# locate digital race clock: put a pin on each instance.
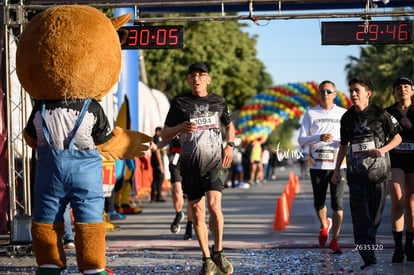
(151, 37)
(374, 32)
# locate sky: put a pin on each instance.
(291, 51)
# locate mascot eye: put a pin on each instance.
(123, 36)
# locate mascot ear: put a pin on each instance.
(120, 20)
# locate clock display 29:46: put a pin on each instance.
(388, 31)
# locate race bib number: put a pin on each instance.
(361, 148)
(206, 122)
(325, 155)
(405, 147)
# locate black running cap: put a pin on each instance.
(402, 80)
(198, 65)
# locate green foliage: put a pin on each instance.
(382, 64)
(236, 72)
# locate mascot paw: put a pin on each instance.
(125, 144)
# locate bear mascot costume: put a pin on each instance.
(68, 58)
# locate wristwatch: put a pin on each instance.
(231, 144)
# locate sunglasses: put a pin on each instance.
(328, 91)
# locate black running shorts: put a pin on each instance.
(196, 185)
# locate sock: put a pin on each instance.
(398, 239)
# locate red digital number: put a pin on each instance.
(161, 37)
(360, 33)
(174, 38)
(144, 37)
(391, 31)
(132, 37)
(402, 35)
(375, 27)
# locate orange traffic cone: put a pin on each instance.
(297, 185)
(290, 196)
(291, 177)
(282, 214)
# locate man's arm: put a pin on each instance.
(228, 150)
(340, 157)
(394, 142)
(168, 133)
(304, 137)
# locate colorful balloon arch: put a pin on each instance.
(264, 112)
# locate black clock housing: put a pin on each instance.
(374, 32)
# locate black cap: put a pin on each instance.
(198, 65)
(402, 80)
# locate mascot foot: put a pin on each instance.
(128, 209)
(48, 271)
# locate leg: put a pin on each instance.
(178, 202)
(47, 244)
(68, 239)
(409, 211)
(177, 197)
(90, 245)
(160, 180)
(396, 191)
(200, 227)
(216, 220)
(337, 205)
(337, 217)
(189, 228)
(409, 202)
(319, 188)
(395, 187)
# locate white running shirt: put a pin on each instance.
(318, 121)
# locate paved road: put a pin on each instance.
(145, 245)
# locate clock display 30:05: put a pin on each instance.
(151, 37)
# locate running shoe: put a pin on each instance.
(333, 245)
(409, 252)
(368, 270)
(69, 245)
(188, 232)
(209, 267)
(223, 265)
(176, 226)
(114, 216)
(324, 233)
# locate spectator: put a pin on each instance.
(157, 169)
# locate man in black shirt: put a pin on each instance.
(197, 117)
(368, 132)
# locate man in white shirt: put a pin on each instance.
(320, 130)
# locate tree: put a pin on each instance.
(382, 64)
(236, 72)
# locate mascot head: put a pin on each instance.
(70, 52)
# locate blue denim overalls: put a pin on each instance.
(68, 176)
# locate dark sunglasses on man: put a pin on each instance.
(328, 91)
